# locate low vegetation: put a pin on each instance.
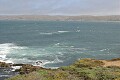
(116, 59)
(85, 69)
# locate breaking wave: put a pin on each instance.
(7, 48)
(42, 63)
(23, 56)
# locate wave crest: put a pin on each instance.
(6, 48)
(51, 33)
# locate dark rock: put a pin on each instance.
(4, 65)
(27, 68)
(17, 64)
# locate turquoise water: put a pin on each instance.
(58, 43)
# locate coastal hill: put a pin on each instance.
(61, 18)
(84, 69)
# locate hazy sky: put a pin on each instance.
(60, 7)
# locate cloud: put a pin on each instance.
(60, 7)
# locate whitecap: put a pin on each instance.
(2, 56)
(78, 31)
(6, 48)
(57, 44)
(46, 33)
(57, 60)
(63, 31)
(42, 63)
(60, 53)
(82, 49)
(72, 46)
(51, 33)
(104, 49)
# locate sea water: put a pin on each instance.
(57, 43)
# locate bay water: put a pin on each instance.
(57, 43)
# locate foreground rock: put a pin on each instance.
(8, 70)
(4, 65)
(27, 68)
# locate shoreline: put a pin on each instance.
(114, 62)
(61, 18)
(28, 68)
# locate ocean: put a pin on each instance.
(57, 43)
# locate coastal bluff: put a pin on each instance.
(84, 69)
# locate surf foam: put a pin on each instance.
(7, 48)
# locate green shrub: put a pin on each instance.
(88, 63)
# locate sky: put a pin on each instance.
(59, 7)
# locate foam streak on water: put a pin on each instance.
(51, 33)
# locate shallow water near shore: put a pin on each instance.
(6, 73)
(57, 43)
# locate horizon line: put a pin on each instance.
(53, 15)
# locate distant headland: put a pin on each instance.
(61, 18)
